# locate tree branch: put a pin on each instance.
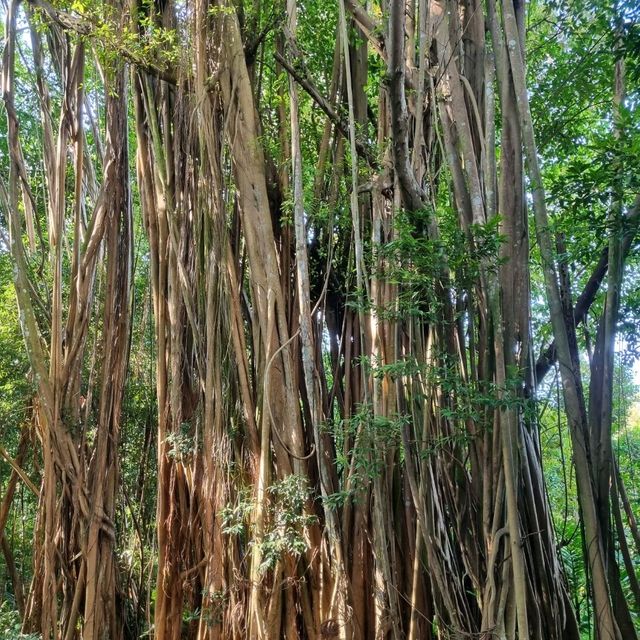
(364, 151)
(549, 355)
(85, 27)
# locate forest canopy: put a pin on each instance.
(320, 319)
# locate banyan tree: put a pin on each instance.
(320, 222)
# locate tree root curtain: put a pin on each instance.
(316, 257)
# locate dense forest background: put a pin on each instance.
(320, 319)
